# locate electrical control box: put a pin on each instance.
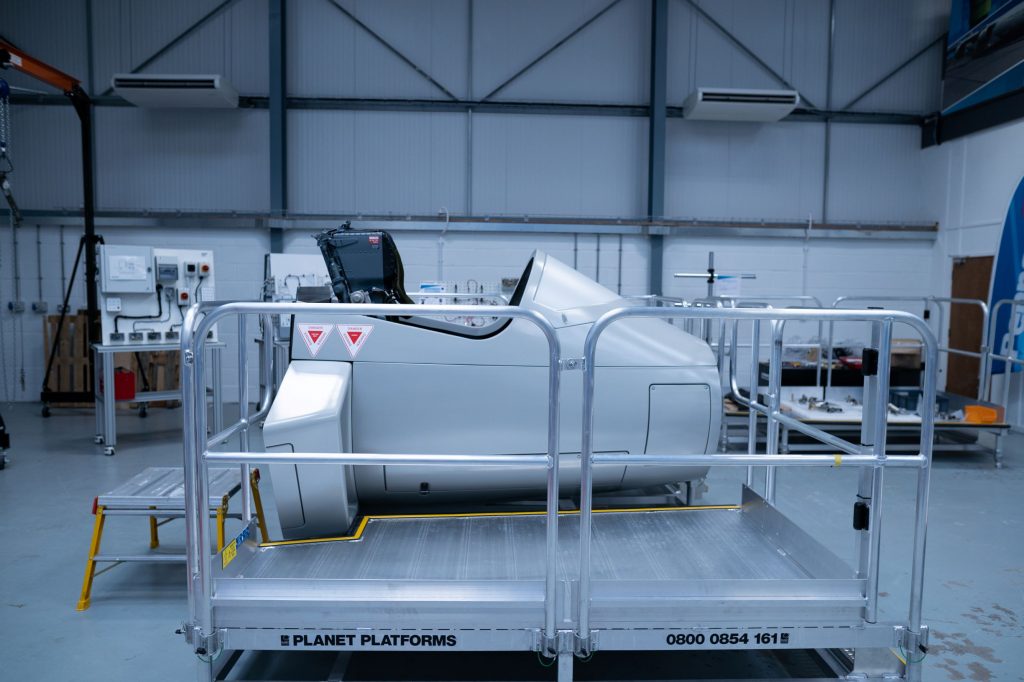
(167, 269)
(126, 269)
(145, 292)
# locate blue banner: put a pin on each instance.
(1008, 282)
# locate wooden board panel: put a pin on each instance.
(70, 371)
(971, 279)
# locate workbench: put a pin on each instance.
(106, 400)
(903, 430)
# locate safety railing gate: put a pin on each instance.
(568, 628)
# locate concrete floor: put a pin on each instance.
(974, 601)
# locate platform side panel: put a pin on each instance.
(813, 558)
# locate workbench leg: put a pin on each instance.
(109, 406)
(97, 392)
(565, 667)
(154, 536)
(90, 565)
(222, 512)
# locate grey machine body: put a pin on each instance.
(428, 386)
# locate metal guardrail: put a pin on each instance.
(874, 432)
(198, 321)
(992, 356)
(929, 302)
(871, 459)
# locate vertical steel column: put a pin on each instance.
(774, 399)
(828, 107)
(469, 111)
(243, 413)
(656, 139)
(755, 382)
(83, 107)
(278, 123)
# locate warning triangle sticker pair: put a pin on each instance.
(352, 335)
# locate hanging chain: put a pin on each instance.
(5, 128)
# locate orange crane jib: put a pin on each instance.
(11, 57)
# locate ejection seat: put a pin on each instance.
(381, 278)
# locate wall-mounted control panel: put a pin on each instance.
(145, 292)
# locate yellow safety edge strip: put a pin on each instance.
(366, 519)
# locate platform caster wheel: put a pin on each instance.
(46, 411)
(108, 451)
(143, 413)
(98, 440)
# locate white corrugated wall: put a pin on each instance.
(497, 164)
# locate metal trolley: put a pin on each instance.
(566, 584)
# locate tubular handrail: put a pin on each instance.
(937, 302)
(993, 354)
(458, 296)
(266, 390)
(778, 297)
(883, 322)
(200, 320)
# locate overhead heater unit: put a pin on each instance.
(191, 91)
(732, 104)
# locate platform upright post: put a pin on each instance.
(243, 413)
(862, 502)
(755, 384)
(774, 401)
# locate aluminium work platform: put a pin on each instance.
(156, 493)
(566, 584)
(710, 578)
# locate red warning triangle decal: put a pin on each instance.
(354, 336)
(314, 336)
